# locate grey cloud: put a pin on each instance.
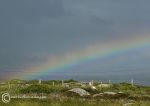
(98, 20)
(30, 30)
(31, 9)
(15, 15)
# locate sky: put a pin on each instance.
(34, 32)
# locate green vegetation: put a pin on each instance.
(74, 102)
(42, 89)
(57, 93)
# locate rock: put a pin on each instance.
(104, 85)
(93, 87)
(128, 104)
(110, 93)
(66, 85)
(80, 91)
(97, 95)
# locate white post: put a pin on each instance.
(40, 81)
(109, 81)
(92, 82)
(132, 83)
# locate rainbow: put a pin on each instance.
(93, 52)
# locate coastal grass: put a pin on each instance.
(74, 102)
(56, 94)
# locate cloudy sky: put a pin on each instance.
(33, 30)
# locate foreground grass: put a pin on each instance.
(74, 102)
(57, 94)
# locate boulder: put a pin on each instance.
(80, 91)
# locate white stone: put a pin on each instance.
(80, 91)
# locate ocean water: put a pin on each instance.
(138, 78)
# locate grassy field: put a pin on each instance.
(58, 95)
(74, 102)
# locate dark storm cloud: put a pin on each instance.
(31, 30)
(31, 9)
(98, 20)
(16, 38)
(15, 14)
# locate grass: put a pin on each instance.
(57, 96)
(73, 102)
